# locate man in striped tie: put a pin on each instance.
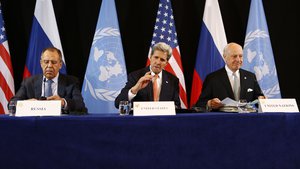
(152, 83)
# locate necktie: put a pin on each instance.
(236, 87)
(155, 88)
(48, 90)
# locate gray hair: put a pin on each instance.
(161, 46)
(227, 48)
(52, 49)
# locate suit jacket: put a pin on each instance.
(217, 85)
(68, 88)
(169, 88)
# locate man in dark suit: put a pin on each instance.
(139, 88)
(221, 84)
(63, 87)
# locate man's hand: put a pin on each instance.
(32, 99)
(56, 97)
(142, 83)
(262, 97)
(214, 103)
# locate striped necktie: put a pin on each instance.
(48, 90)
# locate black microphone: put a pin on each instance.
(43, 97)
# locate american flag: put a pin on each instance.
(7, 89)
(165, 31)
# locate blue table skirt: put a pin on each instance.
(206, 140)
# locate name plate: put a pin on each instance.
(277, 105)
(153, 108)
(38, 108)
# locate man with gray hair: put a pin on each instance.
(230, 81)
(51, 85)
(164, 86)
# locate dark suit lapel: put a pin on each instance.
(150, 91)
(164, 85)
(38, 86)
(60, 86)
(243, 80)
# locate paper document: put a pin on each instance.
(229, 102)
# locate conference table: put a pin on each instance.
(190, 140)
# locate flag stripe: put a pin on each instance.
(26, 72)
(176, 56)
(5, 56)
(196, 88)
(6, 70)
(213, 20)
(209, 58)
(5, 87)
(183, 98)
(4, 102)
(175, 68)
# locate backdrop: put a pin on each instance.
(77, 21)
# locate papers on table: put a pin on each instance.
(229, 102)
(237, 106)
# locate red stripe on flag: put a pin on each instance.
(148, 61)
(3, 84)
(170, 69)
(182, 95)
(1, 109)
(26, 72)
(177, 57)
(182, 92)
(196, 88)
(6, 58)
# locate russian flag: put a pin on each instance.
(44, 33)
(212, 41)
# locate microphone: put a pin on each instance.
(44, 87)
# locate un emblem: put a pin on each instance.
(106, 72)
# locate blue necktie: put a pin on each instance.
(48, 90)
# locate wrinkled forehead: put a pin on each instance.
(236, 50)
(50, 55)
(160, 54)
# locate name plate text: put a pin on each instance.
(153, 108)
(38, 108)
(277, 105)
